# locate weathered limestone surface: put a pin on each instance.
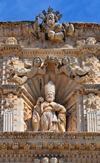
(38, 146)
(49, 91)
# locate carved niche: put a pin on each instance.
(47, 98)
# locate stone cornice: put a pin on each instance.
(7, 50)
(49, 143)
(22, 52)
(91, 88)
(76, 24)
(75, 52)
(77, 136)
(6, 88)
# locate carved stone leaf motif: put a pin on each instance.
(26, 147)
(27, 113)
(15, 146)
(91, 101)
(11, 64)
(50, 146)
(8, 102)
(67, 68)
(4, 147)
(92, 62)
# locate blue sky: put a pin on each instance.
(72, 10)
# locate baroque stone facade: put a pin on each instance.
(49, 91)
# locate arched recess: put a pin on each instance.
(65, 94)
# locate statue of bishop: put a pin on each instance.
(52, 115)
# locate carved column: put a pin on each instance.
(79, 107)
(91, 112)
(8, 112)
(19, 123)
(12, 113)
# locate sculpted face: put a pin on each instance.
(50, 96)
(45, 160)
(53, 160)
(37, 61)
(50, 19)
(65, 61)
(91, 41)
(11, 41)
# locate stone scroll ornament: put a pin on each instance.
(72, 70)
(50, 29)
(29, 71)
(52, 114)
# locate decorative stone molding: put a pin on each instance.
(73, 146)
(40, 63)
(91, 88)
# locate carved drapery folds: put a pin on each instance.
(69, 66)
(49, 90)
(50, 29)
(32, 61)
(29, 71)
(90, 61)
(52, 69)
(49, 115)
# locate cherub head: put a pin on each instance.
(50, 19)
(11, 40)
(37, 61)
(45, 160)
(90, 40)
(53, 160)
(65, 60)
